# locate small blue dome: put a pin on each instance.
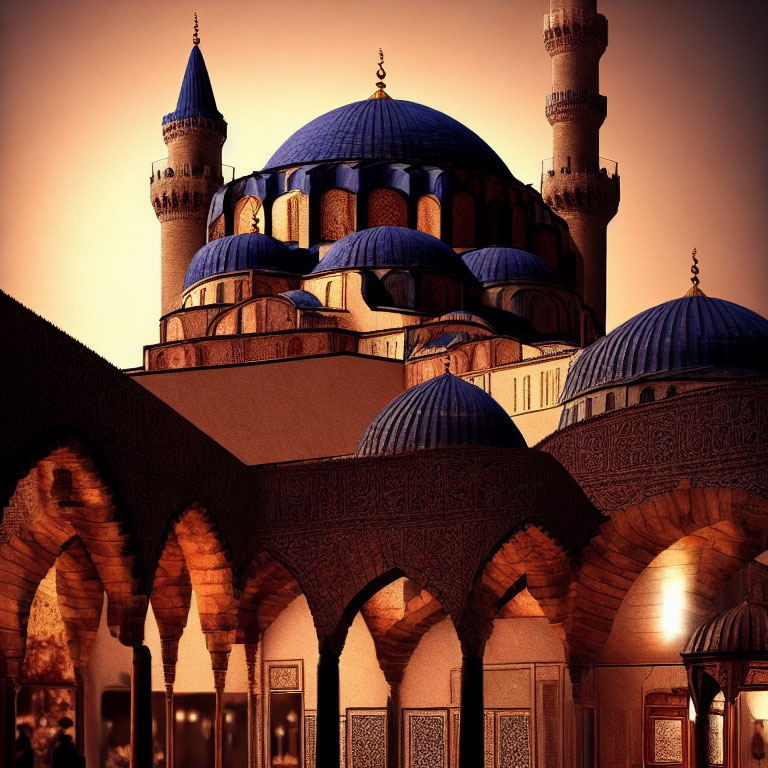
(392, 247)
(388, 129)
(196, 97)
(687, 336)
(236, 253)
(500, 265)
(303, 299)
(442, 412)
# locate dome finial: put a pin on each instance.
(381, 74)
(695, 290)
(447, 364)
(195, 36)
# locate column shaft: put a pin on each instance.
(327, 710)
(393, 726)
(141, 708)
(471, 737)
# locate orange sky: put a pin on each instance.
(84, 86)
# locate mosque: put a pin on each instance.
(385, 494)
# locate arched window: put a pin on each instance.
(647, 395)
(245, 210)
(387, 208)
(463, 221)
(428, 215)
(290, 218)
(338, 211)
(610, 401)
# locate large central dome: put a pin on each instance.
(388, 129)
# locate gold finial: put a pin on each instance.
(195, 36)
(695, 290)
(381, 74)
(255, 222)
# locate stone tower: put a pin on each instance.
(181, 187)
(578, 184)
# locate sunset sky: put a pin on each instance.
(84, 86)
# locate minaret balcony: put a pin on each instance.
(576, 106)
(162, 170)
(575, 29)
(582, 192)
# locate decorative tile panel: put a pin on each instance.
(715, 740)
(310, 740)
(667, 741)
(426, 738)
(367, 738)
(455, 717)
(513, 737)
(488, 738)
(284, 677)
(343, 742)
(548, 723)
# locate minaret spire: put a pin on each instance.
(380, 74)
(182, 185)
(578, 184)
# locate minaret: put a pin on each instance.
(580, 186)
(182, 186)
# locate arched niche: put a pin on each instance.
(428, 215)
(338, 214)
(290, 218)
(386, 207)
(245, 210)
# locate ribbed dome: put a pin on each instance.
(388, 129)
(386, 247)
(738, 630)
(498, 264)
(694, 334)
(442, 412)
(240, 252)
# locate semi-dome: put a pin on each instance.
(236, 253)
(388, 129)
(497, 264)
(736, 630)
(441, 412)
(392, 247)
(463, 316)
(693, 335)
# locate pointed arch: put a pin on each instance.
(338, 214)
(290, 218)
(246, 208)
(428, 215)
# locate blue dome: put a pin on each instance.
(500, 265)
(388, 129)
(236, 253)
(303, 299)
(682, 337)
(386, 247)
(442, 412)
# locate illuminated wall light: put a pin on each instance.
(671, 618)
(758, 704)
(691, 710)
(229, 717)
(180, 715)
(193, 716)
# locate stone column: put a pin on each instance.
(393, 725)
(471, 732)
(219, 662)
(169, 648)
(328, 709)
(253, 655)
(141, 708)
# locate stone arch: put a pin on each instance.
(64, 494)
(401, 288)
(635, 536)
(338, 214)
(464, 220)
(245, 209)
(428, 215)
(290, 218)
(268, 587)
(386, 207)
(528, 566)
